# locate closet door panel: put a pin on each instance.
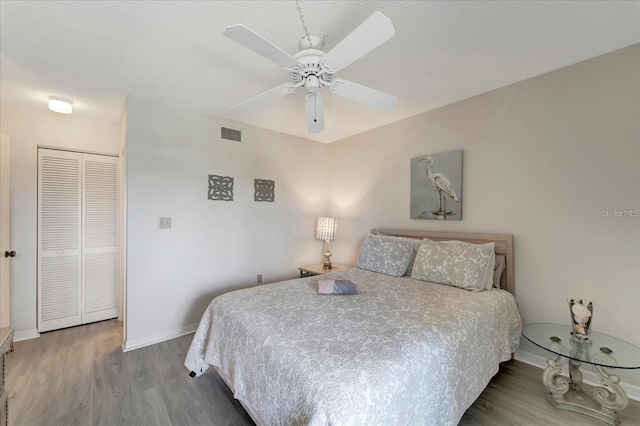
(59, 260)
(59, 289)
(100, 238)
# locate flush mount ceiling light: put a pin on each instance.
(61, 105)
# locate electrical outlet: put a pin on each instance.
(164, 223)
(259, 278)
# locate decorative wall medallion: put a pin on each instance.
(220, 188)
(436, 186)
(265, 190)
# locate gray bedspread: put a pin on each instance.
(400, 352)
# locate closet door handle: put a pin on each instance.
(11, 253)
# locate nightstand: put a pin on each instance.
(6, 342)
(317, 269)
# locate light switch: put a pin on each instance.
(164, 223)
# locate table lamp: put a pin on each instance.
(326, 230)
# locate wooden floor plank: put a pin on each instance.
(80, 376)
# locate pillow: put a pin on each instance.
(416, 245)
(384, 255)
(501, 264)
(488, 285)
(414, 241)
(456, 263)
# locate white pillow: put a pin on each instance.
(501, 263)
(489, 284)
(456, 263)
(384, 255)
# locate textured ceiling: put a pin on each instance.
(98, 52)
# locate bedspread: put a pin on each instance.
(400, 352)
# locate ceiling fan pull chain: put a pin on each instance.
(304, 24)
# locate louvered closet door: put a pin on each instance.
(77, 238)
(59, 239)
(100, 237)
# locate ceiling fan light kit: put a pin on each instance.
(314, 69)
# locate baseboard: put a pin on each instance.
(158, 338)
(25, 335)
(589, 377)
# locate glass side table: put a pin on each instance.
(602, 351)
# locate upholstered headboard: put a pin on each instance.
(503, 245)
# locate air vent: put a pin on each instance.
(230, 135)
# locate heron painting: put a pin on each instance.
(436, 186)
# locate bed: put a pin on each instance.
(401, 351)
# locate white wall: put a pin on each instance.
(213, 246)
(542, 159)
(27, 128)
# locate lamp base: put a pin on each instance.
(327, 262)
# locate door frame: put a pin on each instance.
(5, 232)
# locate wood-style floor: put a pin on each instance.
(79, 376)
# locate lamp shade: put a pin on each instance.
(326, 228)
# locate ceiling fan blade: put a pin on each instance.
(315, 113)
(263, 98)
(248, 38)
(374, 31)
(363, 94)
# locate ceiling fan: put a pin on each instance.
(313, 69)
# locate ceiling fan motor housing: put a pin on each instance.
(311, 72)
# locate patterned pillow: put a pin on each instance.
(414, 242)
(454, 263)
(384, 255)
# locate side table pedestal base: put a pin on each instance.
(566, 392)
(582, 403)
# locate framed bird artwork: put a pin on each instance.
(436, 186)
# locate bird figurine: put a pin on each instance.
(443, 185)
